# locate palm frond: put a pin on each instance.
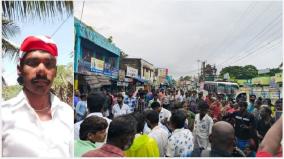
(9, 28)
(4, 83)
(30, 10)
(9, 50)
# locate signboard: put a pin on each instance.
(267, 70)
(122, 84)
(278, 77)
(128, 80)
(261, 80)
(162, 72)
(84, 66)
(226, 76)
(107, 69)
(121, 75)
(114, 73)
(97, 65)
(131, 72)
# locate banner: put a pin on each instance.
(84, 66)
(97, 65)
(107, 69)
(121, 75)
(131, 72)
(261, 80)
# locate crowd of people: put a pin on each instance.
(175, 123)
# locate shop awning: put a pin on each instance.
(139, 79)
(96, 81)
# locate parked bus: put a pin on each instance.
(227, 88)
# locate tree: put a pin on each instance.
(63, 83)
(187, 78)
(28, 10)
(31, 10)
(239, 72)
(250, 71)
(9, 30)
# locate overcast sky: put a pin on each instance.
(176, 34)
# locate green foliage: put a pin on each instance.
(9, 30)
(187, 78)
(31, 10)
(28, 10)
(63, 83)
(10, 91)
(239, 72)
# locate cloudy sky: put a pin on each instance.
(177, 34)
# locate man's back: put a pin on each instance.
(143, 146)
(180, 143)
(106, 150)
(161, 136)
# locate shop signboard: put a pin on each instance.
(278, 77)
(114, 73)
(84, 66)
(122, 84)
(97, 65)
(261, 80)
(262, 71)
(131, 72)
(121, 75)
(107, 69)
(162, 72)
(129, 80)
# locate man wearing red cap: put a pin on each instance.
(36, 123)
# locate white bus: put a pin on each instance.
(227, 88)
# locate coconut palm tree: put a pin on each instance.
(28, 11)
(9, 30)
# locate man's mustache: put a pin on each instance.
(42, 78)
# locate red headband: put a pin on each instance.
(43, 43)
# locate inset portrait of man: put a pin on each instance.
(36, 123)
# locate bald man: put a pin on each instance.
(222, 141)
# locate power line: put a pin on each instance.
(254, 38)
(258, 35)
(248, 26)
(244, 52)
(60, 26)
(251, 53)
(247, 10)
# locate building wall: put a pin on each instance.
(90, 46)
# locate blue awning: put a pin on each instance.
(140, 79)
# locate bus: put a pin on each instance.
(226, 88)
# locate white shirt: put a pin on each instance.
(180, 144)
(77, 127)
(161, 136)
(24, 134)
(202, 129)
(164, 113)
(117, 111)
